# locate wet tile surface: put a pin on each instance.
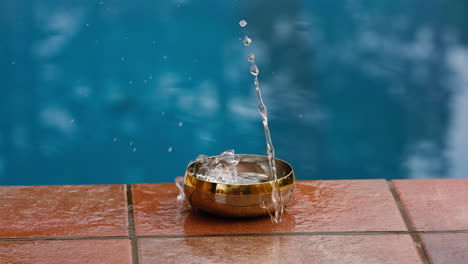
(435, 204)
(361, 205)
(70, 252)
(61, 211)
(376, 249)
(447, 248)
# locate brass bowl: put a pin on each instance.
(239, 200)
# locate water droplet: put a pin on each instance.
(151, 77)
(130, 82)
(300, 116)
(169, 149)
(254, 70)
(164, 57)
(163, 113)
(87, 25)
(251, 58)
(181, 124)
(134, 149)
(115, 139)
(131, 143)
(13, 62)
(154, 42)
(72, 121)
(101, 3)
(122, 59)
(145, 81)
(190, 78)
(243, 23)
(247, 41)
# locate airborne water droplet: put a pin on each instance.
(251, 58)
(254, 70)
(181, 124)
(243, 23)
(247, 41)
(169, 149)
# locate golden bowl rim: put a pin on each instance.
(246, 184)
(285, 182)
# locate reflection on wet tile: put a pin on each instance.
(435, 204)
(70, 252)
(363, 205)
(60, 211)
(447, 248)
(376, 249)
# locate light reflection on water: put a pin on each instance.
(355, 89)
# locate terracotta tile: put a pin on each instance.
(339, 249)
(63, 211)
(435, 204)
(362, 205)
(447, 248)
(69, 251)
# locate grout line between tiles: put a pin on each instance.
(131, 226)
(326, 233)
(414, 235)
(61, 238)
(349, 233)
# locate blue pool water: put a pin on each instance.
(118, 91)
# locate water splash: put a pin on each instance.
(220, 169)
(223, 169)
(277, 201)
(179, 181)
(181, 198)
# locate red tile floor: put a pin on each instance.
(348, 221)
